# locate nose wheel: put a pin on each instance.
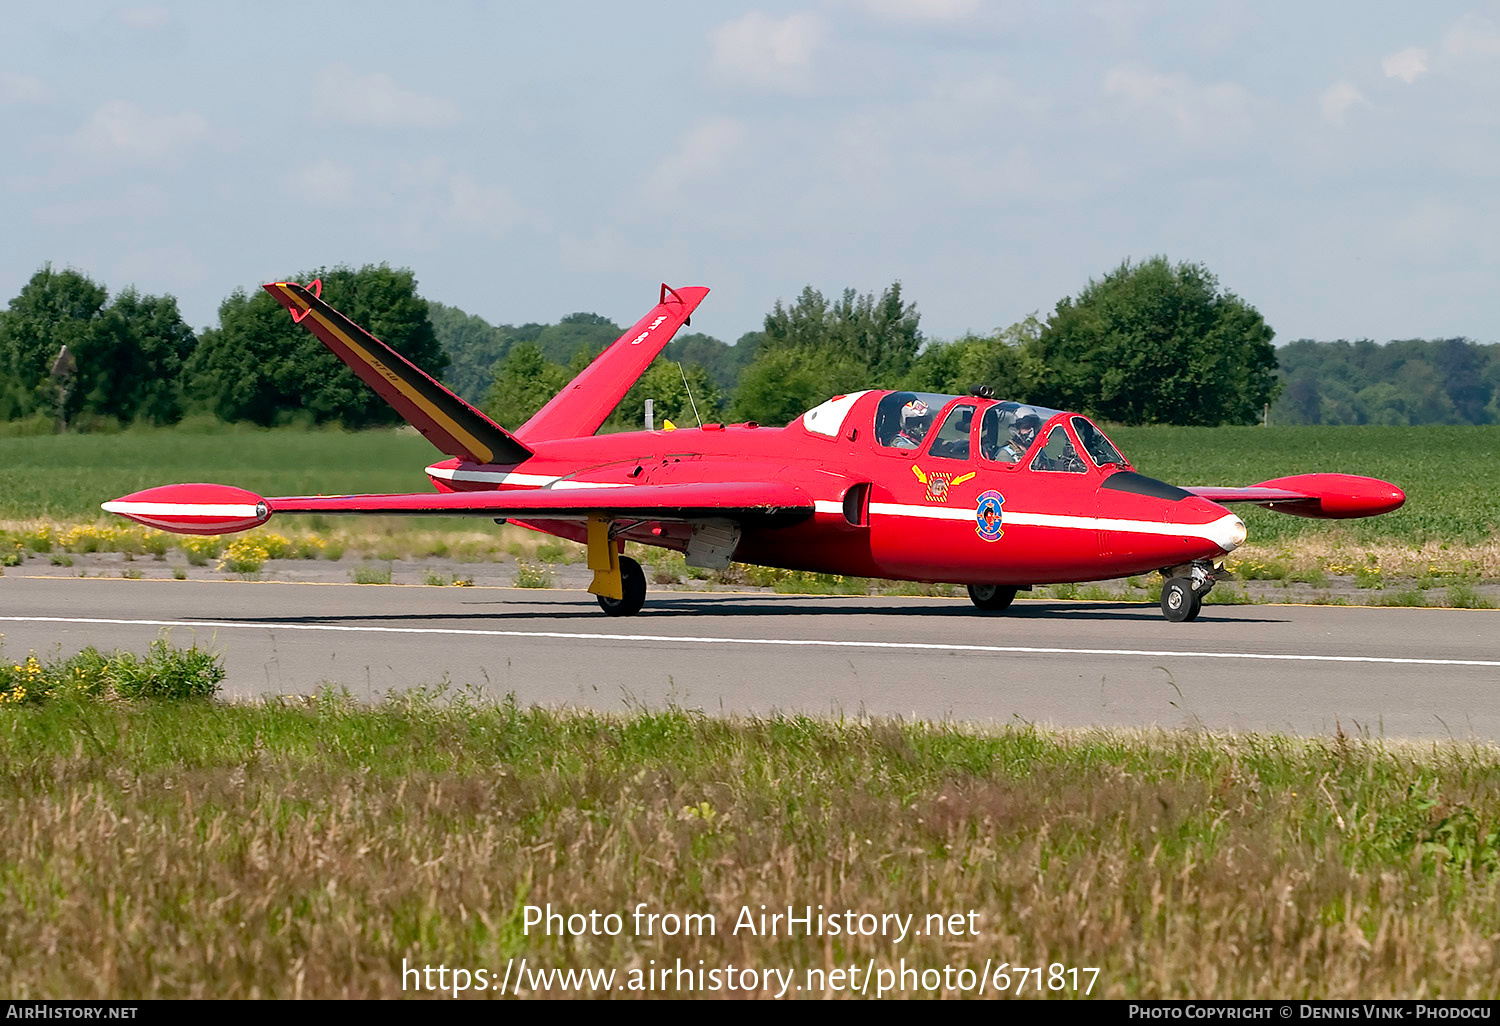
(1179, 602)
(1182, 594)
(992, 598)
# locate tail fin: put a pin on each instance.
(448, 422)
(587, 400)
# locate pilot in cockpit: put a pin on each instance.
(916, 418)
(1023, 429)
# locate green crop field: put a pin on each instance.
(1451, 474)
(66, 477)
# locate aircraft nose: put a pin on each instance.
(1228, 533)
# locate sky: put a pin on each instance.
(1335, 165)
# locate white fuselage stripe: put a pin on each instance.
(1214, 531)
(658, 639)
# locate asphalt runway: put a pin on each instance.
(1391, 672)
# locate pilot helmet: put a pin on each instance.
(913, 412)
(1026, 422)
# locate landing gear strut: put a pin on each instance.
(1182, 594)
(632, 590)
(992, 598)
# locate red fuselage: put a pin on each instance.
(900, 513)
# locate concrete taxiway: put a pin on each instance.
(1394, 672)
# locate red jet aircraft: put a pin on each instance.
(911, 486)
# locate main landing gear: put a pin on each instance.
(1182, 594)
(992, 598)
(632, 590)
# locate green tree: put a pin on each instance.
(1157, 343)
(814, 349)
(782, 384)
(523, 384)
(575, 333)
(663, 383)
(130, 364)
(722, 362)
(259, 366)
(53, 309)
(474, 348)
(1005, 361)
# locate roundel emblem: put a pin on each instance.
(987, 517)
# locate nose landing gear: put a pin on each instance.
(1182, 594)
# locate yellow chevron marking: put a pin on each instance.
(961, 480)
(918, 471)
(475, 447)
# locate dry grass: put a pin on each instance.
(1338, 554)
(306, 849)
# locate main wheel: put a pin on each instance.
(992, 598)
(1179, 602)
(632, 589)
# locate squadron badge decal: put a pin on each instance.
(987, 516)
(938, 485)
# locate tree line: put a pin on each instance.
(1410, 381)
(1149, 342)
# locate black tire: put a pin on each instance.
(632, 588)
(992, 598)
(1179, 602)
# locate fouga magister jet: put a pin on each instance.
(998, 496)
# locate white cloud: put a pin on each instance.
(323, 182)
(1337, 99)
(1428, 228)
(1408, 65)
(137, 202)
(18, 88)
(148, 18)
(122, 132)
(767, 52)
(1200, 113)
(172, 269)
(430, 199)
(377, 100)
(1474, 35)
(1123, 19)
(919, 11)
(705, 150)
(482, 209)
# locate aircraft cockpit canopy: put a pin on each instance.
(1007, 430)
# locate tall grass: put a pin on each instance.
(278, 850)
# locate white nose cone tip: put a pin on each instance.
(1228, 532)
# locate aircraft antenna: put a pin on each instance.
(690, 393)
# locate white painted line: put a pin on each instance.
(917, 646)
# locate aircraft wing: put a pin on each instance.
(748, 500)
(1325, 496)
(221, 509)
(1215, 493)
